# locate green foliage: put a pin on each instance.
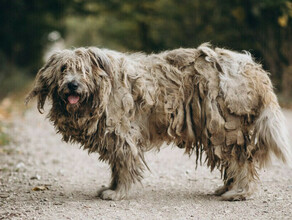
(263, 27)
(12, 78)
(4, 137)
(24, 28)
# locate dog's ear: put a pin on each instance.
(101, 60)
(43, 81)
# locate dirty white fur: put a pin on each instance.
(271, 131)
(212, 101)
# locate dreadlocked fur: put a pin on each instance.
(212, 101)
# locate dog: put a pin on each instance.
(210, 101)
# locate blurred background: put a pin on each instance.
(30, 29)
(32, 155)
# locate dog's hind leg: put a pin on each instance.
(126, 169)
(240, 181)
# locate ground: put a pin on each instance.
(42, 177)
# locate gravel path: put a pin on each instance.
(44, 178)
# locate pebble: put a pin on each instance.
(36, 177)
(20, 165)
(60, 172)
(4, 195)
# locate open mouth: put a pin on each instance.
(73, 99)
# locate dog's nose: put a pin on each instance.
(73, 85)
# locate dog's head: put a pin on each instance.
(73, 78)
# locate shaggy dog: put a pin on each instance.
(208, 101)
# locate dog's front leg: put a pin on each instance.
(126, 169)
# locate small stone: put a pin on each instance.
(40, 188)
(36, 177)
(61, 172)
(20, 165)
(4, 195)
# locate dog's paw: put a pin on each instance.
(109, 194)
(221, 190)
(234, 195)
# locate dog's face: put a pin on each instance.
(72, 79)
(76, 80)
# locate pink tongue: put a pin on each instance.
(73, 99)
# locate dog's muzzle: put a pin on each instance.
(73, 97)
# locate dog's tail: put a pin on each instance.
(271, 134)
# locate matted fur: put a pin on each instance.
(212, 101)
